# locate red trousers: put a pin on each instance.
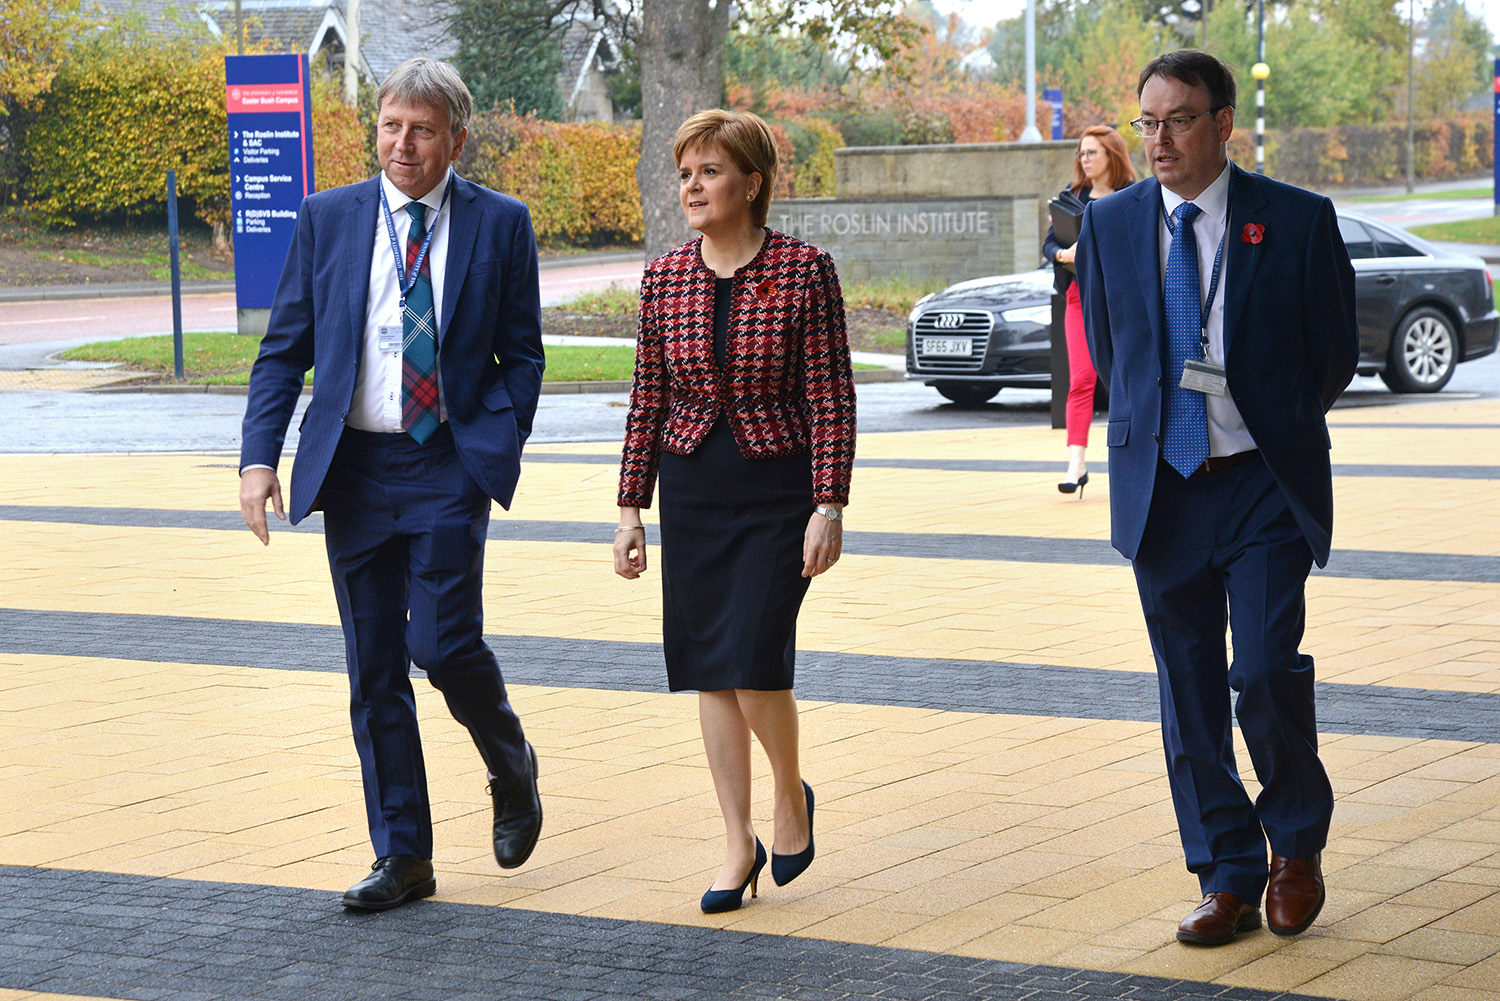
(1081, 376)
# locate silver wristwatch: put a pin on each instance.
(831, 513)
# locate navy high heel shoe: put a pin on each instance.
(1069, 486)
(719, 901)
(785, 868)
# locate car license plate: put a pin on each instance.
(948, 347)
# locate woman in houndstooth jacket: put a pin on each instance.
(743, 406)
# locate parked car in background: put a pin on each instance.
(1422, 310)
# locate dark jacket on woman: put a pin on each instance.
(787, 387)
(1062, 275)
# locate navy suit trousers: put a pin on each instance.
(405, 527)
(1223, 548)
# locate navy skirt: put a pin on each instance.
(731, 565)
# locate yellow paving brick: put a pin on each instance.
(1444, 946)
(1379, 978)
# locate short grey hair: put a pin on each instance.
(428, 81)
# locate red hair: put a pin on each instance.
(1120, 172)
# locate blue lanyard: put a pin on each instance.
(1213, 284)
(390, 228)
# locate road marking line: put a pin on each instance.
(60, 319)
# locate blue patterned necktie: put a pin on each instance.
(1184, 418)
(419, 389)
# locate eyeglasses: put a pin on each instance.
(1087, 154)
(1176, 126)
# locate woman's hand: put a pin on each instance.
(630, 544)
(822, 543)
(1066, 255)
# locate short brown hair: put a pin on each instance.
(1116, 154)
(745, 138)
(1196, 69)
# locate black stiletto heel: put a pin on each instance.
(785, 868)
(719, 901)
(1069, 486)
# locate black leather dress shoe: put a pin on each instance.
(392, 881)
(518, 816)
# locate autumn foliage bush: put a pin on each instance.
(577, 179)
(119, 116)
(1372, 154)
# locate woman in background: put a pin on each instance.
(743, 404)
(1101, 167)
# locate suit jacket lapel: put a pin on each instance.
(359, 260)
(464, 229)
(1247, 204)
(1145, 223)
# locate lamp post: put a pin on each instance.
(1411, 58)
(1031, 134)
(1260, 71)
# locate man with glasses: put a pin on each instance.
(1220, 306)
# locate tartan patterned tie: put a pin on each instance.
(419, 388)
(1184, 442)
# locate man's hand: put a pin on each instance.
(256, 485)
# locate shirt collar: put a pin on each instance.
(397, 200)
(1212, 201)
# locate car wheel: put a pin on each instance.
(968, 394)
(1423, 354)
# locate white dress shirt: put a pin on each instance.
(1226, 428)
(377, 388)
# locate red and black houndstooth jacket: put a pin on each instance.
(787, 388)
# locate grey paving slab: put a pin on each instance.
(917, 682)
(1366, 564)
(307, 947)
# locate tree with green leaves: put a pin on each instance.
(1455, 62)
(509, 52)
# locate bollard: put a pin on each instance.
(176, 273)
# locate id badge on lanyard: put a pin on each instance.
(1202, 375)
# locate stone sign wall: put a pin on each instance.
(950, 239)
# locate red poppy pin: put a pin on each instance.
(1253, 233)
(765, 289)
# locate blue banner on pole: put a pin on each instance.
(1054, 97)
(270, 166)
(1496, 181)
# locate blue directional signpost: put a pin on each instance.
(1054, 97)
(270, 171)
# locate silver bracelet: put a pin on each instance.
(629, 528)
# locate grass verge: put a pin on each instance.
(1486, 230)
(1425, 196)
(224, 359)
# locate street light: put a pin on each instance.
(1260, 71)
(1031, 134)
(1411, 58)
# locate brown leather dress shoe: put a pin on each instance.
(1295, 894)
(1218, 920)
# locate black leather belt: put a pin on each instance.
(1215, 463)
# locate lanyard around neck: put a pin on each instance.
(390, 228)
(1213, 284)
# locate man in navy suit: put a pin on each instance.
(1220, 307)
(428, 364)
